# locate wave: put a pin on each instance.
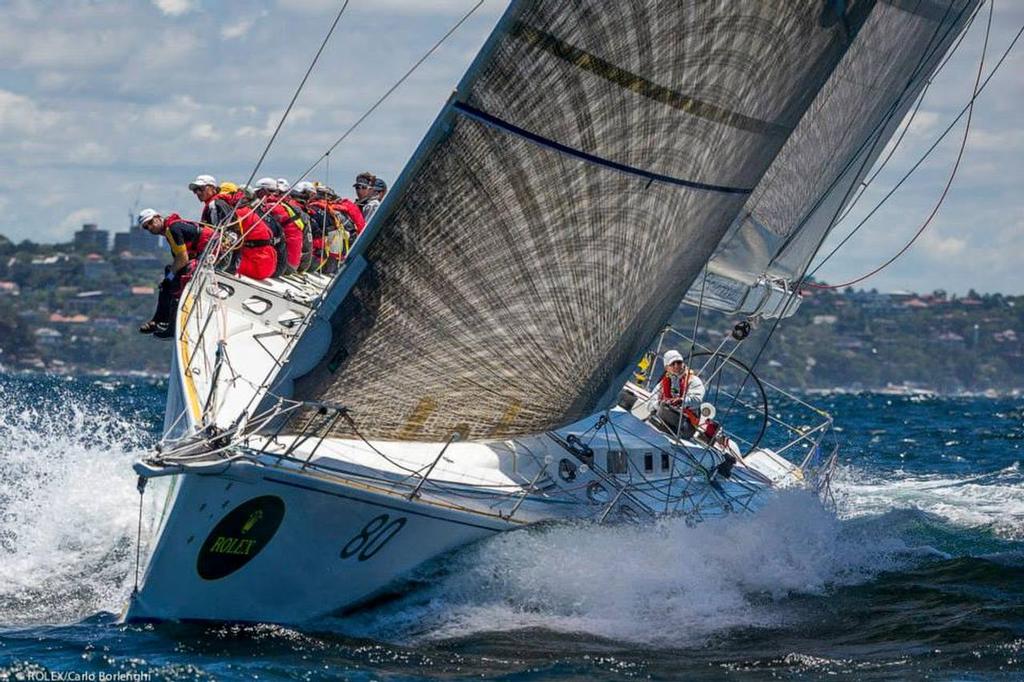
(991, 501)
(665, 585)
(68, 504)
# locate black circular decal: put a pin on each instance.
(239, 536)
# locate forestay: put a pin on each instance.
(565, 199)
(794, 206)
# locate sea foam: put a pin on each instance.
(68, 504)
(992, 501)
(663, 585)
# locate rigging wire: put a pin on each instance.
(910, 121)
(298, 90)
(366, 114)
(968, 111)
(394, 87)
(878, 129)
(696, 321)
(872, 138)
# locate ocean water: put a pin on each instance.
(918, 573)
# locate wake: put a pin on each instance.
(665, 585)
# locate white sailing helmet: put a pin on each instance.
(671, 356)
(147, 214)
(266, 183)
(283, 185)
(202, 181)
(304, 187)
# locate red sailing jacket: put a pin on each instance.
(666, 386)
(258, 257)
(352, 211)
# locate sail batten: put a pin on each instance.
(564, 201)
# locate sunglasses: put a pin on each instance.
(360, 185)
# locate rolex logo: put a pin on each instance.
(252, 521)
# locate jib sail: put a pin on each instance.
(795, 204)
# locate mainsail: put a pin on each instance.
(567, 196)
(772, 241)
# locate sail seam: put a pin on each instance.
(636, 83)
(495, 122)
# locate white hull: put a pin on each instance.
(289, 529)
(299, 572)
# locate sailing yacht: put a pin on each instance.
(472, 369)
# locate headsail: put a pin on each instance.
(789, 213)
(565, 199)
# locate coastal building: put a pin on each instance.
(92, 238)
(96, 267)
(137, 241)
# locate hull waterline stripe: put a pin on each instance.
(385, 506)
(495, 122)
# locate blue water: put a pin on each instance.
(919, 573)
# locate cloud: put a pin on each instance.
(22, 116)
(237, 29)
(940, 247)
(175, 8)
(98, 98)
(75, 219)
(91, 153)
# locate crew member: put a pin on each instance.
(216, 210)
(323, 222)
(679, 388)
(255, 255)
(187, 239)
(296, 200)
(366, 194)
(274, 209)
(350, 226)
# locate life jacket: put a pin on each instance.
(258, 257)
(297, 216)
(674, 385)
(231, 198)
(303, 222)
(196, 246)
(276, 216)
(322, 218)
(346, 208)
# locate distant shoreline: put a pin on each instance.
(895, 390)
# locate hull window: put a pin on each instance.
(618, 462)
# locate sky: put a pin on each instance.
(108, 106)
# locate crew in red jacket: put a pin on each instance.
(286, 215)
(678, 386)
(216, 210)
